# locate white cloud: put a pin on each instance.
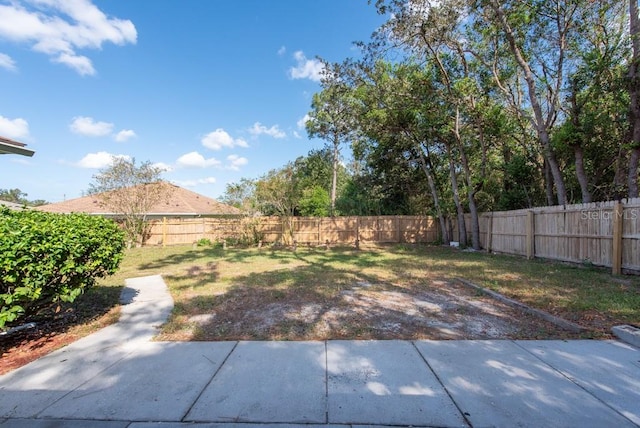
(219, 139)
(196, 160)
(235, 162)
(7, 62)
(163, 166)
(193, 183)
(14, 128)
(296, 134)
(207, 180)
(80, 63)
(306, 68)
(88, 127)
(99, 160)
(282, 50)
(59, 28)
(274, 131)
(302, 123)
(125, 135)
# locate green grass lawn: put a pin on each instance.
(204, 279)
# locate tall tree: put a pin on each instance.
(331, 116)
(278, 193)
(432, 33)
(315, 175)
(538, 36)
(241, 195)
(400, 117)
(131, 191)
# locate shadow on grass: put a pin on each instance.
(301, 295)
(335, 295)
(188, 256)
(281, 304)
(199, 276)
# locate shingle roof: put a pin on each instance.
(13, 147)
(181, 202)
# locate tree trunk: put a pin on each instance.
(581, 174)
(619, 179)
(436, 200)
(462, 228)
(548, 182)
(634, 161)
(554, 167)
(578, 153)
(334, 181)
(473, 208)
(475, 221)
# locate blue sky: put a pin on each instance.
(212, 90)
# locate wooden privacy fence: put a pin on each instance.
(306, 230)
(602, 234)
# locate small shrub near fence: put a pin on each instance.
(47, 258)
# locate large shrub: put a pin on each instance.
(49, 258)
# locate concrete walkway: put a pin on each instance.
(118, 378)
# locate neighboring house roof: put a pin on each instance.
(11, 205)
(181, 203)
(14, 147)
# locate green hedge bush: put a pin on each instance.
(48, 258)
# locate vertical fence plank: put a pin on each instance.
(616, 244)
(164, 231)
(530, 239)
(489, 231)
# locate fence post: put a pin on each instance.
(530, 242)
(616, 250)
(489, 230)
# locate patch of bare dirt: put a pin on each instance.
(31, 348)
(444, 310)
(50, 334)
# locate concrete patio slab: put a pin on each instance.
(609, 370)
(159, 382)
(385, 382)
(267, 382)
(499, 384)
